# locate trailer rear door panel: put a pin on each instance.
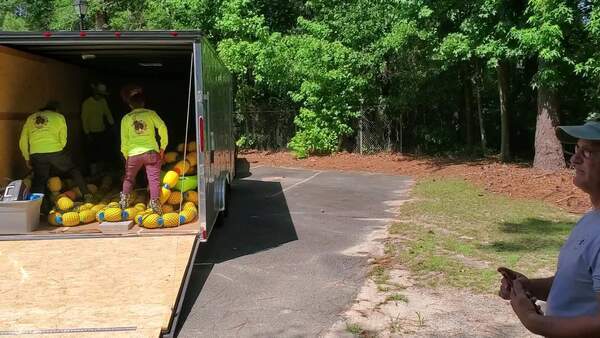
(100, 286)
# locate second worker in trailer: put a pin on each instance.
(140, 149)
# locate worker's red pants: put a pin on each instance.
(151, 161)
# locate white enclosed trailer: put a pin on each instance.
(59, 281)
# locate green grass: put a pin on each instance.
(459, 234)
(397, 297)
(354, 328)
(379, 275)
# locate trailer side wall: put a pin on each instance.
(27, 82)
(218, 119)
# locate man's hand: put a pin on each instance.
(28, 165)
(508, 276)
(162, 155)
(523, 304)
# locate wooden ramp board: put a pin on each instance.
(101, 283)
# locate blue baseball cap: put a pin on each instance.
(588, 131)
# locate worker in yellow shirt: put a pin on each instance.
(140, 149)
(95, 114)
(42, 143)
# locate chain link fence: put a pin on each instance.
(377, 134)
(265, 129)
(272, 129)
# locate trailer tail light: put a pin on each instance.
(117, 35)
(47, 34)
(82, 34)
(201, 134)
(204, 235)
(174, 34)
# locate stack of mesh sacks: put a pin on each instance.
(177, 207)
(68, 211)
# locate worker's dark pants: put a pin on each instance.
(99, 148)
(59, 161)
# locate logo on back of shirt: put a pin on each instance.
(40, 121)
(139, 126)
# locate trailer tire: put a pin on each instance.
(235, 162)
(225, 212)
(227, 199)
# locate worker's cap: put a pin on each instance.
(135, 91)
(588, 131)
(100, 88)
(128, 90)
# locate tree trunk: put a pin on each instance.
(399, 134)
(502, 70)
(477, 80)
(468, 93)
(548, 150)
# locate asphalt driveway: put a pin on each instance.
(277, 267)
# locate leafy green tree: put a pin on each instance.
(436, 72)
(544, 37)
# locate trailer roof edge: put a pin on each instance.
(161, 36)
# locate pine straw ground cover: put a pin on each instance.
(513, 180)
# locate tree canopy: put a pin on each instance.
(483, 76)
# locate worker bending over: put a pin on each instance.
(42, 143)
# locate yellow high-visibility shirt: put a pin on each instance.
(138, 135)
(92, 115)
(43, 132)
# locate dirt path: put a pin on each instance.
(428, 313)
(402, 308)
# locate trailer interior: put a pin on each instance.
(65, 72)
(77, 281)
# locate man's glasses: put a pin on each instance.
(585, 153)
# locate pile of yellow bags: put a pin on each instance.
(177, 208)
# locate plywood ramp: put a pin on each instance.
(99, 283)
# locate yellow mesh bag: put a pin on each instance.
(110, 215)
(68, 219)
(169, 220)
(64, 203)
(87, 216)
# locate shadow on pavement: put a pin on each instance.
(259, 220)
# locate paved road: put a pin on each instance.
(276, 267)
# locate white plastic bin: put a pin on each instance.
(18, 217)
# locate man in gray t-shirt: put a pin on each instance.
(573, 293)
(577, 279)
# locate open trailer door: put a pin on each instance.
(90, 284)
(122, 287)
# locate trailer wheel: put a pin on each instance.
(227, 199)
(225, 212)
(235, 162)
